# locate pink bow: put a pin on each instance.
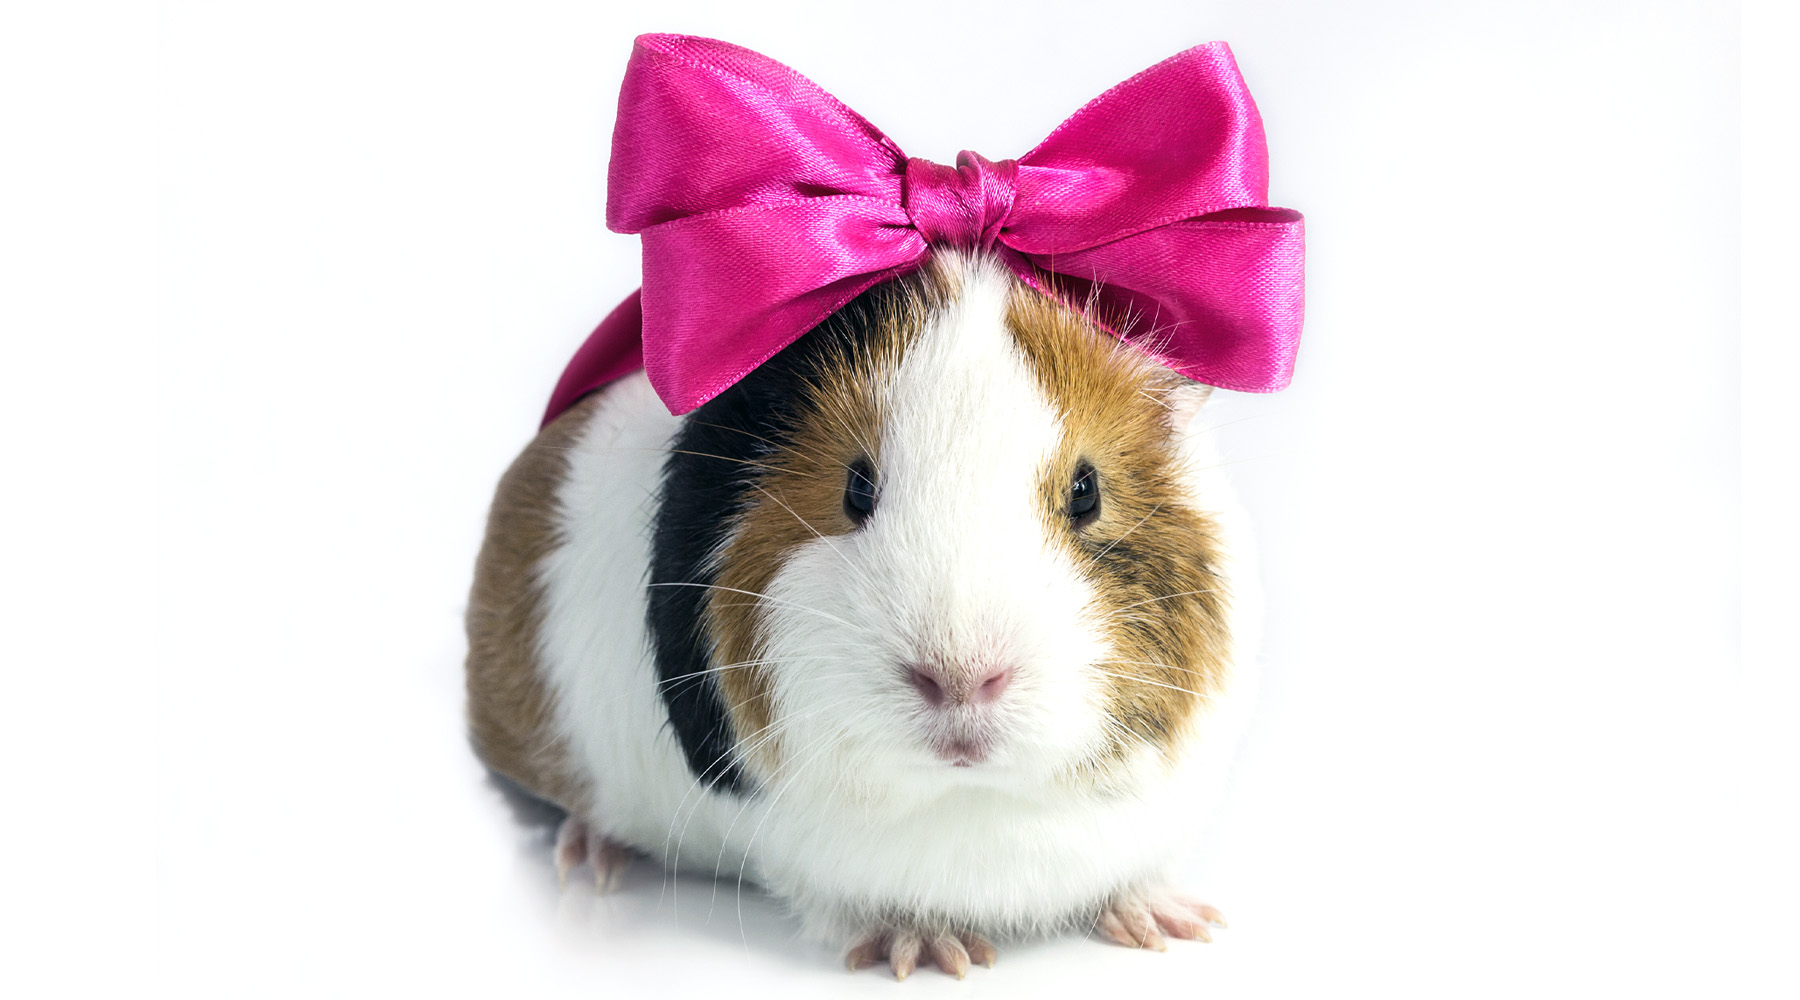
(765, 205)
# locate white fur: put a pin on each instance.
(595, 646)
(862, 821)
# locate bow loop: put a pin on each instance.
(963, 206)
(765, 205)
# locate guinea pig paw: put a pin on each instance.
(902, 947)
(577, 842)
(1141, 921)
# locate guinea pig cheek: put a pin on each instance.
(1061, 717)
(825, 660)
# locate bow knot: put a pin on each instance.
(962, 206)
(766, 205)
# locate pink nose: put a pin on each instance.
(941, 687)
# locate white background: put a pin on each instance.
(1510, 741)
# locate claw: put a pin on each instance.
(903, 954)
(980, 949)
(949, 955)
(1182, 926)
(1141, 921)
(904, 947)
(571, 848)
(578, 843)
(868, 951)
(610, 859)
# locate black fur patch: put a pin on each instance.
(707, 481)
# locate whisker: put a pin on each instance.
(765, 597)
(679, 681)
(1113, 725)
(728, 458)
(1193, 429)
(778, 445)
(1166, 597)
(1109, 545)
(1153, 663)
(768, 733)
(697, 784)
(829, 543)
(817, 752)
(1160, 684)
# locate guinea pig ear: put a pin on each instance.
(1184, 401)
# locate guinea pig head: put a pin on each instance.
(972, 555)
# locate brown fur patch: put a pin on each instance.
(509, 704)
(1149, 555)
(797, 495)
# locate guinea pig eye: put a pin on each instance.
(1084, 495)
(859, 492)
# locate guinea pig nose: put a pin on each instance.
(991, 686)
(929, 686)
(941, 687)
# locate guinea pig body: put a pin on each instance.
(932, 625)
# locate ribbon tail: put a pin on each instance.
(725, 292)
(1219, 298)
(614, 350)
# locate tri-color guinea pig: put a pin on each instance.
(934, 625)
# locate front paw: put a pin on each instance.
(902, 946)
(578, 842)
(1140, 919)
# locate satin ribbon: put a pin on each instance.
(765, 205)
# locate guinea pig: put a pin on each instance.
(935, 626)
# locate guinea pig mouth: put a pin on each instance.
(961, 751)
